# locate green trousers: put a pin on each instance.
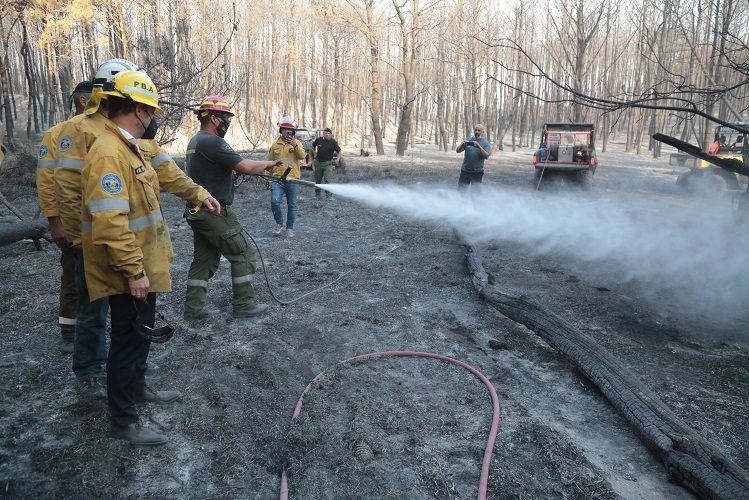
(323, 170)
(215, 235)
(68, 294)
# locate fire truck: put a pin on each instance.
(566, 149)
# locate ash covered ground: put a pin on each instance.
(382, 428)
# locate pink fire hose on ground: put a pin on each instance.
(484, 479)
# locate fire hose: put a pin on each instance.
(283, 178)
(267, 281)
(484, 478)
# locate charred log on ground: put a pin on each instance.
(689, 459)
(22, 230)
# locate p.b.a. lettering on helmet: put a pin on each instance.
(147, 86)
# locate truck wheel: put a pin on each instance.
(731, 181)
(585, 179)
(683, 180)
(711, 185)
(538, 181)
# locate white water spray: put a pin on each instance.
(695, 252)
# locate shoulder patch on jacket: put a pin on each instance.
(111, 183)
(43, 151)
(66, 143)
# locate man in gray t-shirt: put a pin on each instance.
(477, 149)
(211, 162)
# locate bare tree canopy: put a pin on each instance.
(399, 71)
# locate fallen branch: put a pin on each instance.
(13, 209)
(689, 459)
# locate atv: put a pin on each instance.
(306, 137)
(702, 175)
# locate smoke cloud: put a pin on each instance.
(694, 251)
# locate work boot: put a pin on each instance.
(289, 233)
(198, 316)
(251, 312)
(277, 229)
(151, 396)
(137, 434)
(66, 345)
(91, 388)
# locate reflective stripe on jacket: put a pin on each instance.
(76, 137)
(80, 132)
(121, 207)
(45, 171)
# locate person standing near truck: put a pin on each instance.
(323, 150)
(477, 149)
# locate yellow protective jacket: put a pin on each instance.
(76, 138)
(45, 171)
(290, 154)
(123, 230)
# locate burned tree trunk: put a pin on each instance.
(689, 459)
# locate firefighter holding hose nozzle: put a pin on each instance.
(211, 163)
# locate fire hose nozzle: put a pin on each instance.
(284, 178)
(301, 182)
(286, 173)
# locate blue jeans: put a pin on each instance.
(277, 190)
(90, 344)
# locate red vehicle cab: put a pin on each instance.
(566, 149)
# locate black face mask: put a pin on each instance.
(287, 133)
(222, 127)
(153, 126)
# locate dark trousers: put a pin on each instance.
(90, 344)
(215, 235)
(468, 178)
(128, 352)
(68, 293)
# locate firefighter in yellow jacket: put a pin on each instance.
(45, 188)
(290, 151)
(77, 137)
(127, 252)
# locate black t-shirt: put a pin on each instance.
(324, 149)
(210, 162)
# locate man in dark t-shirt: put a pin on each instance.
(211, 162)
(323, 150)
